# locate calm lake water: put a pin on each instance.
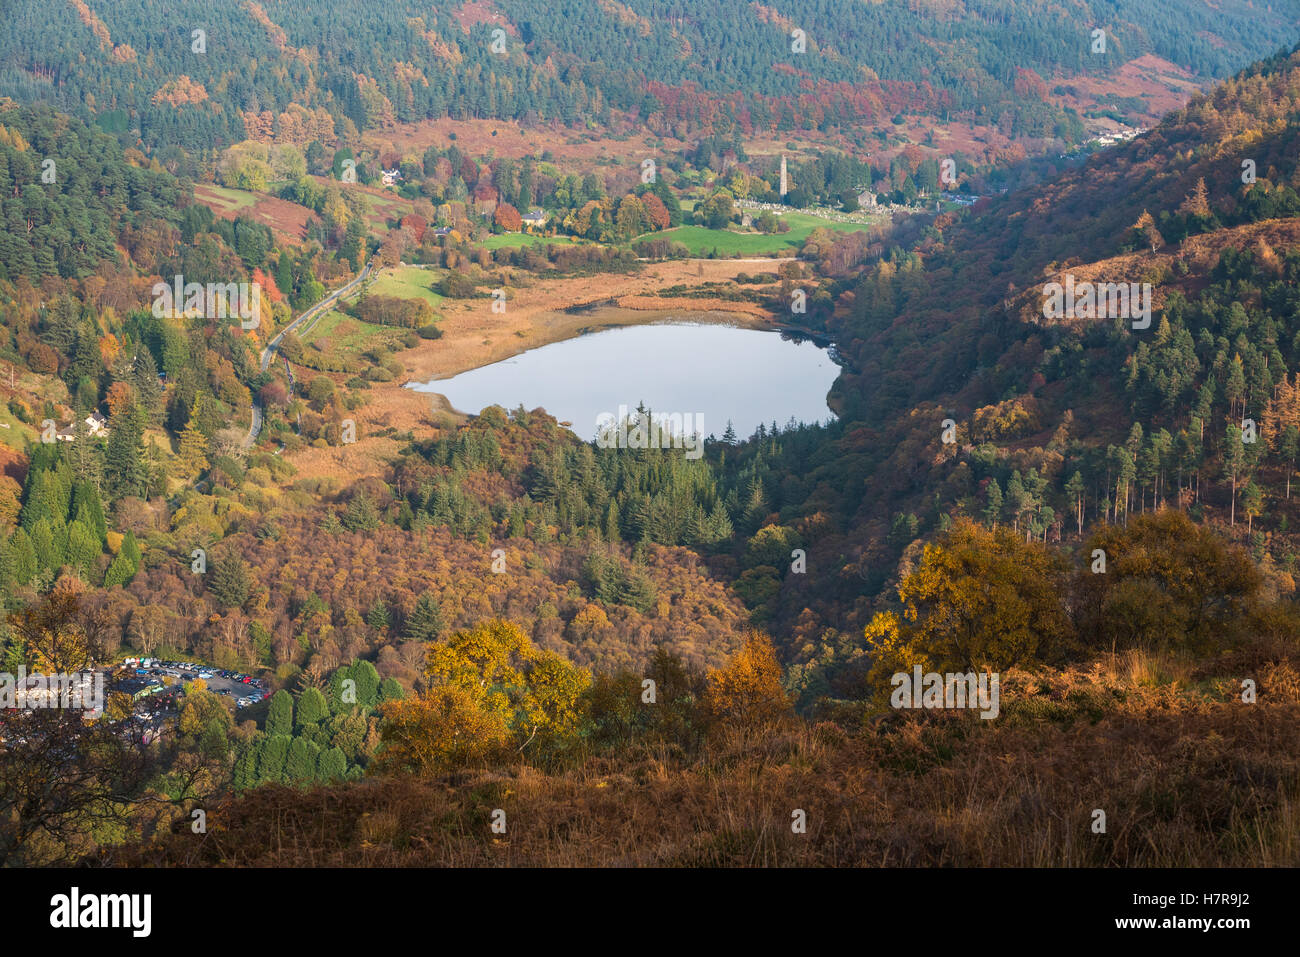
(711, 373)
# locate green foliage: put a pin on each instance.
(424, 623)
(311, 709)
(279, 717)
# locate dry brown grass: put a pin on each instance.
(1186, 773)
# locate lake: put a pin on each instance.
(710, 374)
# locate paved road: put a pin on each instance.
(308, 316)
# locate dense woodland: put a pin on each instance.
(676, 67)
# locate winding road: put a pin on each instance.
(309, 315)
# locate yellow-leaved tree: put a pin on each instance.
(978, 600)
(491, 694)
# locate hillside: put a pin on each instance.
(139, 69)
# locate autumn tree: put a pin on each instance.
(62, 777)
(978, 600)
(1168, 582)
(490, 678)
(746, 693)
(507, 218)
(1144, 231)
(443, 729)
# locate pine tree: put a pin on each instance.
(1234, 458)
(7, 577)
(83, 549)
(425, 621)
(1252, 502)
(192, 459)
(332, 765)
(367, 679)
(131, 549)
(270, 762)
(993, 503)
(245, 773)
(124, 459)
(120, 572)
(88, 508)
(25, 564)
(279, 717)
(300, 763)
(379, 617)
(311, 709)
(229, 581)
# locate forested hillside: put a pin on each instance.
(305, 72)
(1060, 425)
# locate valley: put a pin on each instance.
(792, 435)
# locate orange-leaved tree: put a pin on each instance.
(746, 693)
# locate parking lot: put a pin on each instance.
(242, 689)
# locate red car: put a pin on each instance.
(246, 680)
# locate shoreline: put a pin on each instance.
(539, 312)
(562, 326)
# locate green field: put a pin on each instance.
(408, 282)
(231, 200)
(16, 435)
(700, 239)
(518, 240)
(344, 337)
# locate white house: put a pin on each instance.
(96, 426)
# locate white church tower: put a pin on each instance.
(785, 178)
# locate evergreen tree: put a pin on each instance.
(300, 763)
(332, 765)
(1075, 489)
(131, 549)
(367, 679)
(89, 509)
(83, 549)
(279, 717)
(229, 581)
(124, 459)
(1234, 460)
(271, 759)
(245, 771)
(120, 572)
(993, 503)
(23, 556)
(379, 617)
(311, 709)
(425, 621)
